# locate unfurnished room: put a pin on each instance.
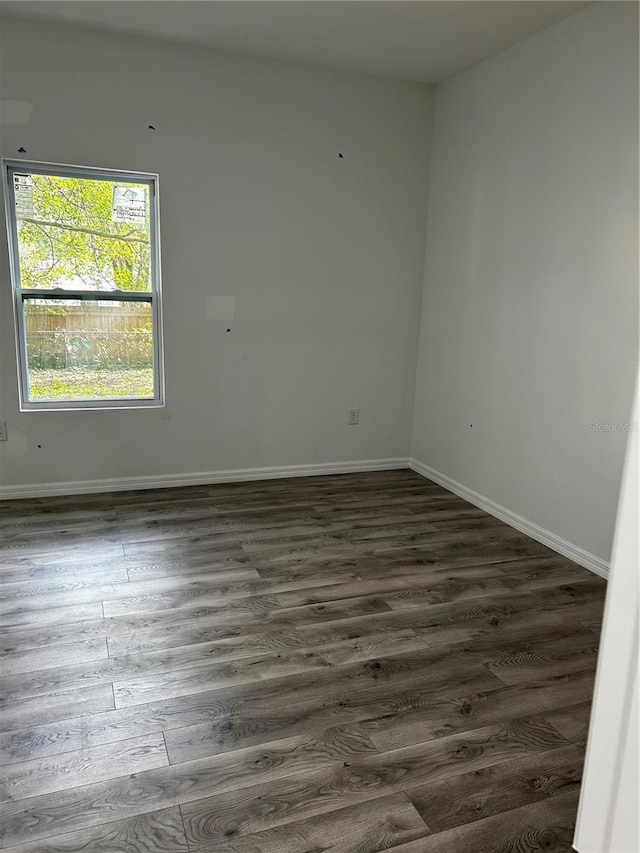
(319, 426)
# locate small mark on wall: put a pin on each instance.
(220, 309)
(14, 113)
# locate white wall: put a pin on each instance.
(529, 318)
(608, 820)
(324, 256)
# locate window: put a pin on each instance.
(86, 285)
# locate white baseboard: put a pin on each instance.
(165, 481)
(540, 534)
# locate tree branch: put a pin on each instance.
(77, 228)
(53, 250)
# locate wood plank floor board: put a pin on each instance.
(226, 618)
(420, 501)
(238, 642)
(582, 588)
(50, 657)
(366, 614)
(173, 592)
(571, 721)
(453, 589)
(155, 832)
(593, 623)
(75, 585)
(371, 568)
(313, 667)
(480, 625)
(584, 608)
(81, 767)
(213, 566)
(49, 534)
(106, 570)
(371, 520)
(318, 622)
(481, 520)
(319, 539)
(457, 554)
(49, 518)
(369, 826)
(226, 532)
(444, 716)
(54, 535)
(23, 616)
(524, 668)
(451, 555)
(204, 544)
(342, 614)
(101, 802)
(154, 665)
(56, 510)
(230, 610)
(245, 715)
(340, 664)
(359, 779)
(420, 531)
(546, 825)
(372, 826)
(391, 719)
(58, 706)
(301, 593)
(401, 564)
(415, 528)
(241, 639)
(473, 796)
(38, 741)
(11, 558)
(516, 646)
(441, 624)
(406, 656)
(71, 593)
(63, 543)
(445, 511)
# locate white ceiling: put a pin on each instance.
(425, 40)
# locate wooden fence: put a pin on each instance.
(42, 318)
(84, 337)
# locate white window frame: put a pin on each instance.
(153, 296)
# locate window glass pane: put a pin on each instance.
(82, 233)
(88, 350)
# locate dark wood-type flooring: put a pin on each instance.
(345, 664)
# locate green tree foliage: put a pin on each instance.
(72, 238)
